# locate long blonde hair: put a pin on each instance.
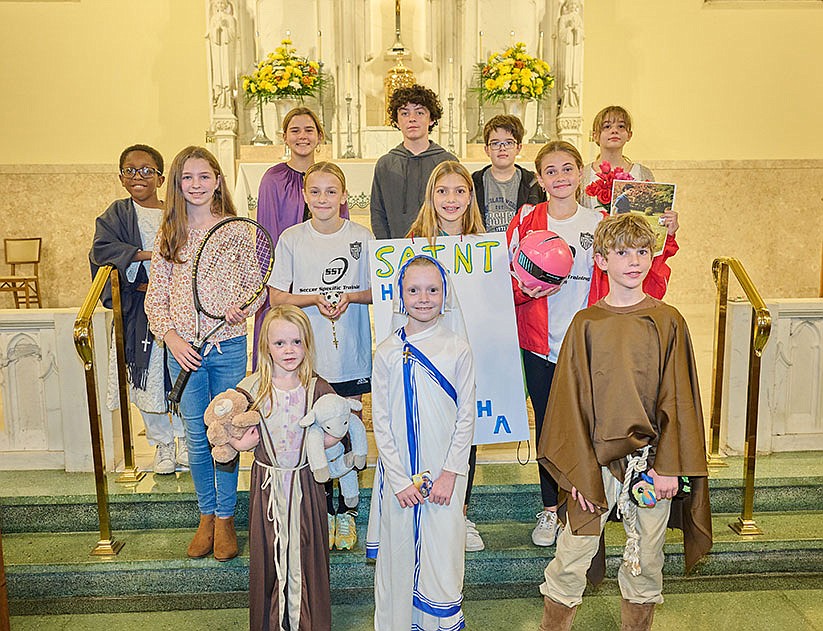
(293, 315)
(427, 224)
(174, 228)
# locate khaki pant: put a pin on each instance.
(566, 574)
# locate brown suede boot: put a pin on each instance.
(203, 541)
(556, 617)
(225, 539)
(634, 617)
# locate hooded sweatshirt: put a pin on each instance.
(398, 188)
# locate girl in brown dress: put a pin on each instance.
(288, 531)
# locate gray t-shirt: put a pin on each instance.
(501, 201)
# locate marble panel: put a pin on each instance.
(58, 203)
(790, 410)
(769, 214)
(44, 419)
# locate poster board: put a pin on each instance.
(479, 269)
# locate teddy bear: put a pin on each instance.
(332, 414)
(228, 416)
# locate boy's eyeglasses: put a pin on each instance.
(497, 145)
(145, 172)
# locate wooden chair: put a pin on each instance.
(26, 288)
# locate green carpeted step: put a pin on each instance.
(55, 572)
(150, 505)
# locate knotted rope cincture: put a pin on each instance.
(628, 511)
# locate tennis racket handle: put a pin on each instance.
(182, 379)
(179, 385)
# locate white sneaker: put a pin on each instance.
(164, 458)
(182, 452)
(545, 532)
(474, 542)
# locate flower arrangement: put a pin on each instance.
(283, 73)
(514, 73)
(601, 188)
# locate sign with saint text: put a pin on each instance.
(479, 269)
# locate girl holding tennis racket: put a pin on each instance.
(190, 289)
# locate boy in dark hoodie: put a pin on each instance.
(401, 175)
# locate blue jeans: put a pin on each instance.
(216, 488)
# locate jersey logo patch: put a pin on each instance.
(586, 240)
(335, 270)
(356, 248)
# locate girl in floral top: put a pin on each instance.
(197, 200)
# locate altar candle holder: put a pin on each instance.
(539, 136)
(349, 134)
(451, 122)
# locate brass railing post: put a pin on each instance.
(760, 331)
(130, 473)
(761, 321)
(84, 343)
(721, 279)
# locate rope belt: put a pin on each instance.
(628, 510)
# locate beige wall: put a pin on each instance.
(81, 80)
(708, 82)
(702, 82)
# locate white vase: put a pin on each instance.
(515, 107)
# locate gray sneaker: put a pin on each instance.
(164, 458)
(545, 532)
(474, 542)
(182, 452)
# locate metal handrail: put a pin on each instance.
(760, 331)
(84, 343)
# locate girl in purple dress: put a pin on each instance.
(280, 203)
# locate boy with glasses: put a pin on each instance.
(124, 236)
(503, 186)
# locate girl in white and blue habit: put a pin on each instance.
(423, 407)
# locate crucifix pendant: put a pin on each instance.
(333, 297)
(146, 341)
(334, 334)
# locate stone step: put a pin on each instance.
(169, 502)
(54, 572)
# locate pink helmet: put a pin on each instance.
(542, 260)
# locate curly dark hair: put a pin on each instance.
(154, 153)
(419, 95)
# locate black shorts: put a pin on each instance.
(352, 388)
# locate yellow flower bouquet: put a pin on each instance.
(514, 74)
(283, 73)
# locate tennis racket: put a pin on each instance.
(231, 267)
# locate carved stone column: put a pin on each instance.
(570, 37)
(222, 37)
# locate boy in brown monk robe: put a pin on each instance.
(624, 402)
